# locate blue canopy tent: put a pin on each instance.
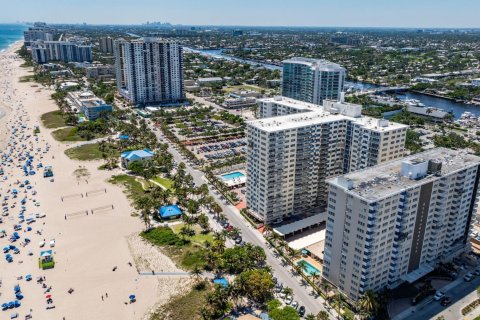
(221, 281)
(170, 212)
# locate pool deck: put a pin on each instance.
(312, 261)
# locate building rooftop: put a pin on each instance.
(321, 64)
(292, 103)
(381, 181)
(431, 112)
(311, 114)
(293, 121)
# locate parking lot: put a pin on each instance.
(220, 150)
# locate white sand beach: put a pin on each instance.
(87, 247)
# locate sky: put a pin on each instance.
(320, 13)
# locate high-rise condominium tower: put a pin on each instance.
(149, 71)
(396, 221)
(299, 145)
(312, 80)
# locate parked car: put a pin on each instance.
(468, 277)
(238, 240)
(446, 301)
(301, 311)
(439, 295)
(295, 304)
(477, 272)
(288, 300)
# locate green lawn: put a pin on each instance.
(167, 183)
(85, 152)
(67, 134)
(133, 187)
(199, 237)
(53, 119)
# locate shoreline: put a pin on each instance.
(88, 247)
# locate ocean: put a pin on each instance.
(10, 33)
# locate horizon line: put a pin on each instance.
(239, 26)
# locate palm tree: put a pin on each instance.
(302, 264)
(196, 272)
(288, 291)
(368, 303)
(310, 317)
(323, 315)
(337, 303)
(216, 209)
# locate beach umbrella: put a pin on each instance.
(131, 297)
(4, 306)
(17, 304)
(11, 305)
(19, 296)
(48, 296)
(16, 288)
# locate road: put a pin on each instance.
(462, 294)
(302, 293)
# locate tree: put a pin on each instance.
(257, 285)
(288, 291)
(368, 303)
(217, 304)
(144, 204)
(136, 167)
(202, 221)
(287, 313)
(196, 273)
(323, 315)
(273, 304)
(310, 317)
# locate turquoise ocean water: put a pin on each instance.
(10, 33)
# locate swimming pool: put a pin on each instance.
(233, 175)
(309, 269)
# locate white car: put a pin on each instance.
(438, 295)
(295, 304)
(288, 300)
(468, 277)
(282, 295)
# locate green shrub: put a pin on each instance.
(162, 236)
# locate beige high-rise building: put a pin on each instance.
(106, 45)
(396, 221)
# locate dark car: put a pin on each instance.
(301, 311)
(238, 240)
(446, 301)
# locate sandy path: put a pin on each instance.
(87, 246)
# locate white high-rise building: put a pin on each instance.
(39, 32)
(396, 221)
(149, 71)
(45, 51)
(299, 145)
(312, 80)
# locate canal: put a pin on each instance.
(457, 108)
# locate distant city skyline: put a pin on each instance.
(308, 13)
